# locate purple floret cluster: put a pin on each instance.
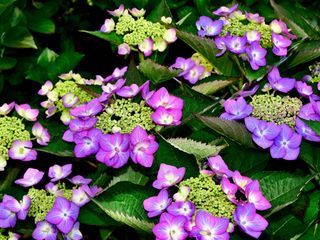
(180, 218)
(247, 46)
(284, 141)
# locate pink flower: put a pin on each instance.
(25, 111)
(42, 134)
(45, 88)
(21, 150)
(57, 172)
(146, 47)
(168, 176)
(31, 177)
(6, 108)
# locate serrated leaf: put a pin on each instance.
(124, 203)
(281, 188)
(209, 88)
(156, 72)
(206, 47)
(129, 175)
(18, 37)
(233, 130)
(110, 37)
(198, 149)
(7, 63)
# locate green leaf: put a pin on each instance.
(310, 153)
(18, 37)
(40, 24)
(212, 87)
(198, 149)
(207, 49)
(7, 63)
(133, 75)
(129, 175)
(281, 188)
(233, 130)
(295, 20)
(124, 203)
(156, 72)
(110, 37)
(6, 3)
(312, 233)
(47, 57)
(305, 51)
(313, 208)
(314, 125)
(159, 10)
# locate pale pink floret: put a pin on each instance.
(25, 111)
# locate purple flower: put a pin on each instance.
(45, 88)
(114, 149)
(87, 110)
(31, 177)
(78, 125)
(218, 166)
(128, 91)
(79, 196)
(124, 49)
(92, 191)
(263, 133)
(170, 227)
(185, 209)
(254, 17)
(162, 98)
(230, 189)
(254, 196)
(210, 227)
(286, 144)
(253, 36)
(87, 142)
(53, 189)
(142, 147)
(207, 27)
(25, 111)
(42, 134)
(245, 92)
(184, 64)
(221, 45)
(117, 73)
(256, 55)
(303, 89)
(109, 89)
(168, 176)
(146, 47)
(69, 100)
(20, 208)
(57, 172)
(308, 112)
(280, 44)
(194, 74)
(278, 83)
(8, 218)
(6, 108)
(79, 180)
(63, 214)
(167, 117)
(21, 150)
(277, 26)
(225, 11)
(108, 26)
(306, 132)
(145, 92)
(236, 109)
(241, 181)
(75, 233)
(157, 204)
(249, 221)
(236, 44)
(45, 230)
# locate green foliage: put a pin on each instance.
(212, 87)
(110, 37)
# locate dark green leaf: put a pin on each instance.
(156, 72)
(233, 130)
(18, 37)
(124, 203)
(6, 3)
(47, 57)
(207, 49)
(310, 153)
(110, 37)
(212, 87)
(133, 75)
(7, 63)
(159, 10)
(41, 24)
(281, 188)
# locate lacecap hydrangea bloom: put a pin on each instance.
(55, 209)
(15, 139)
(246, 35)
(137, 32)
(114, 125)
(276, 121)
(208, 206)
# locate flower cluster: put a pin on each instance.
(209, 205)
(246, 35)
(276, 121)
(194, 68)
(65, 94)
(138, 32)
(115, 129)
(55, 209)
(15, 139)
